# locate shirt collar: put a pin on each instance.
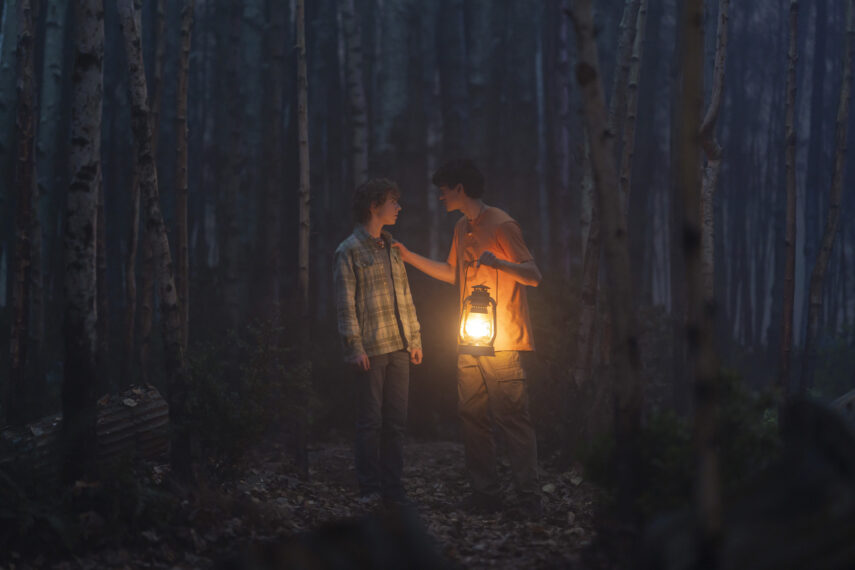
(364, 236)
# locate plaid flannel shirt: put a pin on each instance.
(365, 299)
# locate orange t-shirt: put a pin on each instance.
(496, 231)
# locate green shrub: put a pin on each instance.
(749, 442)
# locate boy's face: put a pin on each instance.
(387, 212)
(451, 197)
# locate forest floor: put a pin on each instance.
(259, 519)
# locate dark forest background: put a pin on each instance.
(442, 79)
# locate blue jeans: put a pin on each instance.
(380, 422)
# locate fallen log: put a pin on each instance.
(133, 423)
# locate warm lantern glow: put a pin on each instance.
(478, 327)
(477, 323)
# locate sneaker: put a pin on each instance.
(480, 503)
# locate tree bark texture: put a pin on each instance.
(182, 273)
(783, 383)
(631, 115)
(628, 389)
(176, 372)
(304, 205)
(713, 153)
(50, 139)
(817, 277)
(80, 382)
(26, 219)
(355, 93)
(699, 325)
(593, 244)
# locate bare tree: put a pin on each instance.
(628, 389)
(355, 92)
(78, 395)
(628, 146)
(52, 131)
(148, 263)
(713, 153)
(783, 384)
(26, 220)
(181, 247)
(592, 249)
(175, 364)
(818, 274)
(304, 199)
(699, 327)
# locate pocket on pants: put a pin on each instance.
(507, 366)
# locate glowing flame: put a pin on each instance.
(478, 327)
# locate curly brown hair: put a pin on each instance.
(374, 192)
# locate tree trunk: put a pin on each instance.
(182, 273)
(304, 197)
(713, 153)
(271, 231)
(617, 101)
(561, 142)
(131, 280)
(102, 325)
(176, 372)
(628, 146)
(8, 105)
(818, 273)
(628, 389)
(815, 176)
(591, 258)
(78, 387)
(148, 268)
(50, 139)
(783, 383)
(356, 93)
(431, 96)
(699, 327)
(26, 221)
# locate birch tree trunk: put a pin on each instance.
(78, 387)
(628, 389)
(699, 327)
(432, 94)
(818, 274)
(356, 93)
(561, 133)
(783, 383)
(176, 372)
(26, 221)
(628, 146)
(182, 273)
(592, 250)
(304, 198)
(713, 153)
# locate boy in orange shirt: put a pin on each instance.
(488, 249)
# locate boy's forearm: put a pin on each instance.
(526, 273)
(436, 269)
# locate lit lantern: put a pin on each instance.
(478, 323)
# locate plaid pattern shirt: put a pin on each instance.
(365, 298)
